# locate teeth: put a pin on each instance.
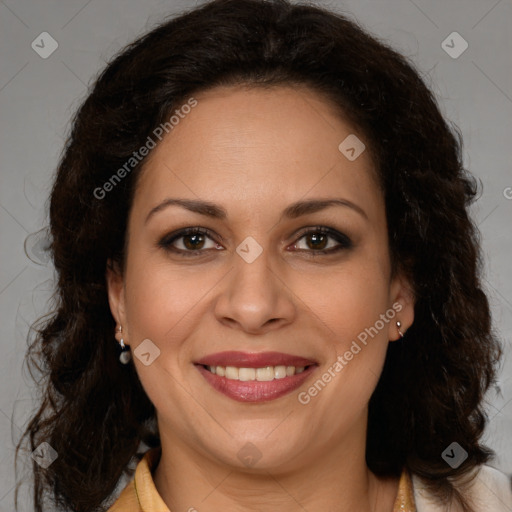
(232, 373)
(246, 374)
(265, 374)
(279, 372)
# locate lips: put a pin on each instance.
(265, 387)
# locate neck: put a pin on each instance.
(336, 479)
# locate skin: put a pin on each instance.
(255, 151)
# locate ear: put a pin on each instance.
(402, 301)
(116, 296)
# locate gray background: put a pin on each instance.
(38, 97)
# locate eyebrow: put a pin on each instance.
(293, 211)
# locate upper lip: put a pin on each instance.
(254, 360)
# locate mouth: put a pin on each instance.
(248, 377)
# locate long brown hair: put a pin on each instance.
(94, 411)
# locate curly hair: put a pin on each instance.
(94, 412)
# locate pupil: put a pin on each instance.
(193, 245)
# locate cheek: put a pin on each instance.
(347, 307)
(163, 305)
(347, 300)
(357, 353)
(161, 297)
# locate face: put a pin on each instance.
(270, 324)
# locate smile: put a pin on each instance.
(248, 377)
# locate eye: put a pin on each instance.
(317, 241)
(189, 241)
(196, 240)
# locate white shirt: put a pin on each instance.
(490, 491)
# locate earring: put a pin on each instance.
(125, 355)
(398, 325)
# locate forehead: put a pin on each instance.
(263, 144)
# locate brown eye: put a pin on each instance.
(323, 240)
(193, 242)
(189, 242)
(316, 241)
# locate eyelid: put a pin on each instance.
(322, 229)
(168, 239)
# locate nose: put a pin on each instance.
(256, 297)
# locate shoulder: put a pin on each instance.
(493, 487)
(489, 491)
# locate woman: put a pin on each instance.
(268, 281)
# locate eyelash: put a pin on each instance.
(343, 240)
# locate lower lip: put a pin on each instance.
(254, 390)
